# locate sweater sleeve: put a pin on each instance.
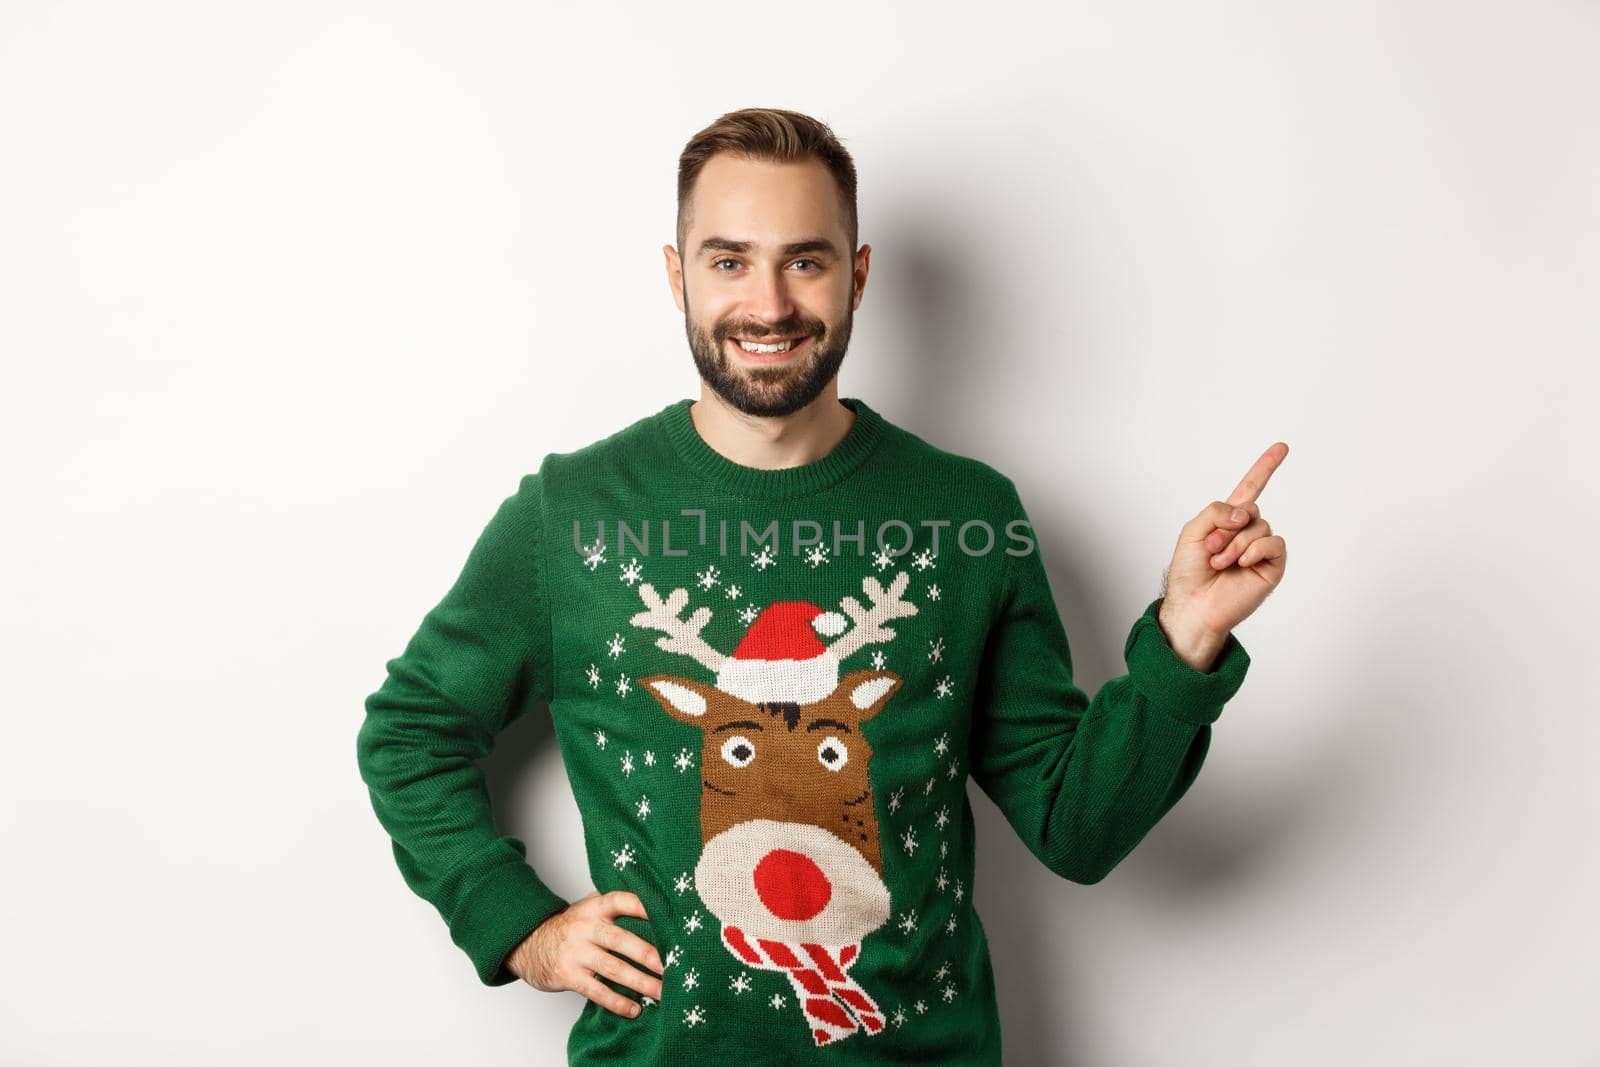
(1083, 781)
(478, 660)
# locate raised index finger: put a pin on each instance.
(1255, 479)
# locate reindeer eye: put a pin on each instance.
(832, 754)
(739, 750)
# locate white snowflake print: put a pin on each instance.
(594, 555)
(908, 921)
(614, 646)
(748, 614)
(920, 1007)
(693, 923)
(908, 840)
(777, 1002)
(941, 745)
(646, 1000)
(674, 954)
(620, 860)
(630, 571)
(649, 758)
(694, 1016)
(683, 761)
(593, 674)
(627, 764)
(763, 559)
(951, 772)
(882, 558)
(950, 927)
(733, 592)
(933, 591)
(622, 685)
(691, 978)
(944, 849)
(924, 559)
(960, 891)
(817, 555)
(899, 1017)
(878, 660)
(600, 739)
(927, 790)
(943, 688)
(708, 577)
(894, 799)
(949, 993)
(740, 983)
(942, 819)
(682, 883)
(942, 881)
(942, 973)
(643, 807)
(936, 650)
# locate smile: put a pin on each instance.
(769, 352)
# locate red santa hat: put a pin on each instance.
(781, 658)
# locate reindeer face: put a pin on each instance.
(786, 816)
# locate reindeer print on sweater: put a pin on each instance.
(790, 862)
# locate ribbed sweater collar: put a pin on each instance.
(781, 483)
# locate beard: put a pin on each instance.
(769, 391)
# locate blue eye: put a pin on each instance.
(716, 266)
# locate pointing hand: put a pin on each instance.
(1226, 563)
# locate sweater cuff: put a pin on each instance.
(1172, 686)
(497, 914)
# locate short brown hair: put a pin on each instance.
(767, 133)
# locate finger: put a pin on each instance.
(621, 902)
(1255, 479)
(608, 966)
(613, 937)
(606, 997)
(1220, 537)
(1267, 548)
(1215, 515)
(1241, 541)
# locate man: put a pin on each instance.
(775, 633)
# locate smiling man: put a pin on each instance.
(769, 709)
(769, 287)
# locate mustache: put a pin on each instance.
(783, 329)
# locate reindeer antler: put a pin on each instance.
(683, 635)
(869, 624)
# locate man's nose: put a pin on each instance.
(768, 300)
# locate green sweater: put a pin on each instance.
(769, 688)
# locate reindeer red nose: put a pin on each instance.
(790, 885)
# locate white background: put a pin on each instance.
(291, 295)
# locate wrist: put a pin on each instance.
(1195, 645)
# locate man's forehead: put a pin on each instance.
(762, 207)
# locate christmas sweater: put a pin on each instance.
(769, 689)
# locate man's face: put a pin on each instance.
(766, 259)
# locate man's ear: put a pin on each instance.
(674, 265)
(866, 692)
(684, 698)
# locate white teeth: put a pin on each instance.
(781, 346)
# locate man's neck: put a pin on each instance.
(772, 443)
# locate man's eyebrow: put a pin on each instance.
(810, 244)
